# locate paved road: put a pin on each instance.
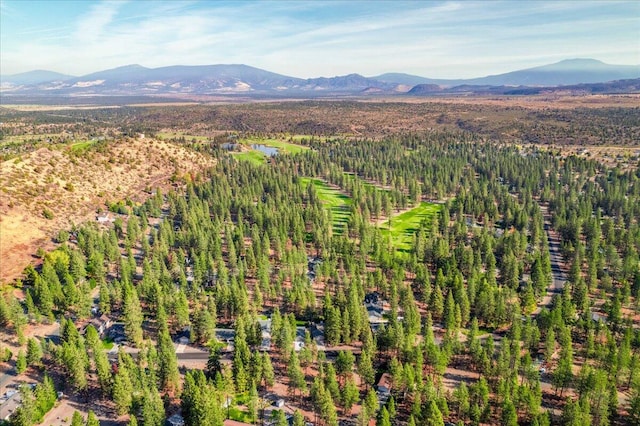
(9, 406)
(559, 277)
(6, 378)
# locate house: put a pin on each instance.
(105, 217)
(229, 422)
(312, 266)
(265, 328)
(175, 420)
(227, 336)
(298, 342)
(375, 306)
(383, 388)
(598, 317)
(384, 384)
(101, 324)
(317, 334)
(117, 333)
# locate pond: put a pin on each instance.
(269, 151)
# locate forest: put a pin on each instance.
(424, 277)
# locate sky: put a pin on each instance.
(437, 39)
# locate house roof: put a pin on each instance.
(176, 419)
(229, 422)
(385, 381)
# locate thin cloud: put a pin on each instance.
(308, 39)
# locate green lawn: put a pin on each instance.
(406, 224)
(254, 156)
(107, 344)
(238, 415)
(334, 200)
(283, 146)
(81, 146)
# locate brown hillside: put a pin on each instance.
(73, 186)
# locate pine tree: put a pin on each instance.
(295, 374)
(252, 404)
(268, 374)
(371, 402)
(279, 418)
(92, 420)
(383, 418)
(509, 415)
(365, 368)
(391, 407)
(34, 352)
(298, 418)
(76, 419)
(344, 364)
(152, 408)
(433, 415)
(167, 362)
(25, 414)
(350, 395)
(21, 362)
(132, 316)
(122, 390)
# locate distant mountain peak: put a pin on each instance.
(135, 79)
(580, 61)
(130, 67)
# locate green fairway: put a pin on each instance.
(406, 224)
(286, 147)
(254, 156)
(81, 146)
(334, 200)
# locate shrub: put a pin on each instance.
(62, 237)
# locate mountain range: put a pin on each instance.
(136, 80)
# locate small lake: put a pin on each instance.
(269, 151)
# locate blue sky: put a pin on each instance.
(444, 39)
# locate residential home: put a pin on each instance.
(175, 420)
(101, 325)
(384, 383)
(105, 217)
(265, 327)
(229, 422)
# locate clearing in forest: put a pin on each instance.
(403, 226)
(180, 135)
(254, 156)
(335, 201)
(256, 150)
(283, 146)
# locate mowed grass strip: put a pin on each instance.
(334, 200)
(81, 146)
(404, 225)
